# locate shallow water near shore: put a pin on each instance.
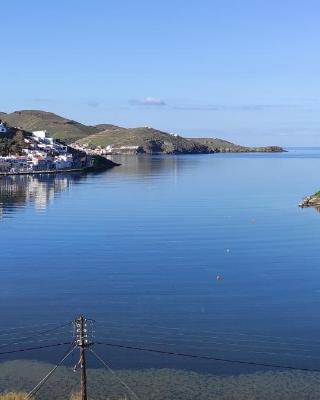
(202, 254)
(160, 384)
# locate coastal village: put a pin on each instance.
(41, 153)
(109, 149)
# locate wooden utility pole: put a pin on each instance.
(82, 343)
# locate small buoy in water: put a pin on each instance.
(218, 277)
(228, 250)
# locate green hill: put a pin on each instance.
(106, 127)
(58, 127)
(146, 140)
(150, 141)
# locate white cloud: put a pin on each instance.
(148, 101)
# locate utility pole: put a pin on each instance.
(81, 334)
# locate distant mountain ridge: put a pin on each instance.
(124, 140)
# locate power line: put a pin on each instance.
(254, 347)
(34, 348)
(210, 358)
(46, 377)
(46, 340)
(209, 346)
(211, 333)
(81, 341)
(23, 338)
(26, 338)
(28, 327)
(114, 374)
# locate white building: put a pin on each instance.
(40, 134)
(42, 153)
(3, 127)
(63, 161)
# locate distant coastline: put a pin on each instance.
(108, 139)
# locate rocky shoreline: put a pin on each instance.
(311, 201)
(216, 145)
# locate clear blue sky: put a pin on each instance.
(245, 70)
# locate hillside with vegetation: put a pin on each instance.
(142, 140)
(58, 127)
(151, 141)
(13, 142)
(124, 140)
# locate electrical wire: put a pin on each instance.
(181, 338)
(114, 374)
(26, 338)
(219, 340)
(210, 332)
(210, 358)
(46, 377)
(247, 336)
(34, 348)
(29, 326)
(232, 350)
(46, 335)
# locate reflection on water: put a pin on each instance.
(18, 190)
(153, 165)
(139, 248)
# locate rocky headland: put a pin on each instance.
(217, 145)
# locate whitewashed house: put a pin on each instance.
(3, 127)
(63, 161)
(40, 134)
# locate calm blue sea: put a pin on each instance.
(207, 254)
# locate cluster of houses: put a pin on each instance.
(108, 150)
(42, 153)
